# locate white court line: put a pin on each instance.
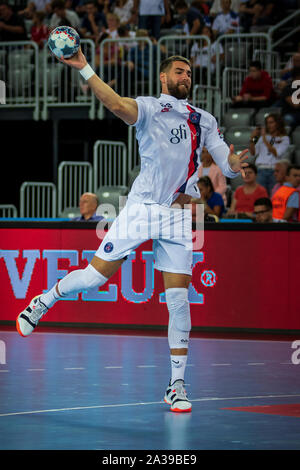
(256, 363)
(152, 337)
(143, 404)
(227, 364)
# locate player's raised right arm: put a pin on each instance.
(124, 108)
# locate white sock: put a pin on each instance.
(178, 364)
(74, 282)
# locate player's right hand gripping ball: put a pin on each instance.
(64, 41)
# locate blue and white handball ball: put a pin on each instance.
(64, 41)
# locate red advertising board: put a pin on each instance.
(242, 279)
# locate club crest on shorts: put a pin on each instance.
(108, 248)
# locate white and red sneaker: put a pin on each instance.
(29, 318)
(176, 397)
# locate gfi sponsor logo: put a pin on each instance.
(178, 134)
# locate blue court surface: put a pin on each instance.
(105, 391)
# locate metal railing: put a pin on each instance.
(239, 50)
(8, 210)
(127, 66)
(74, 179)
(63, 86)
(109, 164)
(231, 85)
(38, 200)
(197, 47)
(19, 70)
(276, 27)
(208, 98)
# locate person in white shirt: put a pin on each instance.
(150, 15)
(63, 17)
(268, 144)
(203, 56)
(226, 22)
(171, 134)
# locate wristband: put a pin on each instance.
(87, 72)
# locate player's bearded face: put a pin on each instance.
(180, 89)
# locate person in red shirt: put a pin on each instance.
(39, 31)
(245, 195)
(257, 89)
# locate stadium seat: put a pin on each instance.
(70, 213)
(109, 195)
(235, 55)
(289, 154)
(263, 113)
(235, 182)
(297, 157)
(239, 116)
(296, 136)
(238, 136)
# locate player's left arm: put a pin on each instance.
(124, 108)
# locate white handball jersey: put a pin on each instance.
(171, 134)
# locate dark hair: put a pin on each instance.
(58, 4)
(207, 182)
(180, 4)
(256, 64)
(252, 167)
(264, 201)
(279, 121)
(292, 167)
(167, 63)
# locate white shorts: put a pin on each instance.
(169, 228)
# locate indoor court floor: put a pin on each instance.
(105, 391)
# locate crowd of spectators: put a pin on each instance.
(93, 17)
(270, 179)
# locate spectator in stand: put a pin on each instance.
(110, 56)
(93, 22)
(113, 23)
(290, 101)
(63, 17)
(88, 204)
(242, 203)
(272, 12)
(39, 31)
(200, 57)
(213, 201)
(216, 7)
(103, 6)
(12, 27)
(138, 59)
(262, 212)
(209, 168)
(35, 5)
(268, 144)
(286, 199)
(226, 22)
(257, 89)
(191, 18)
(280, 172)
(124, 10)
(249, 12)
(151, 14)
